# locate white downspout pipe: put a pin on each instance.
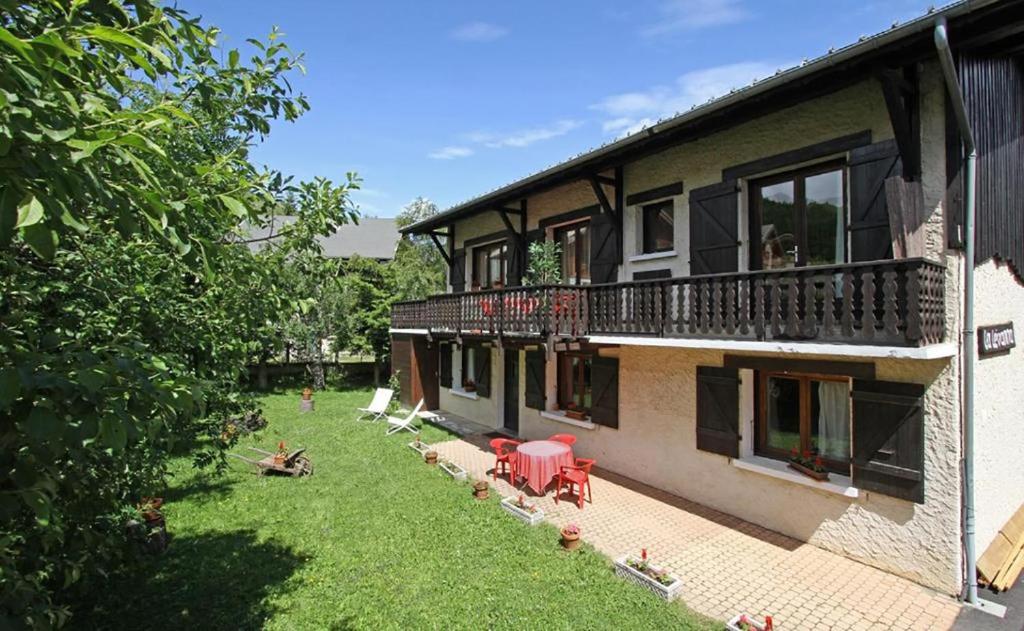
(960, 110)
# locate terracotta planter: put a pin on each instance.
(811, 473)
(570, 541)
(278, 459)
(577, 415)
(307, 394)
(430, 457)
(481, 490)
(469, 388)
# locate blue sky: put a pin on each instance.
(450, 99)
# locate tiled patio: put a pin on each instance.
(728, 565)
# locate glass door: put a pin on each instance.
(802, 219)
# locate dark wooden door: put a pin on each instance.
(511, 401)
(427, 365)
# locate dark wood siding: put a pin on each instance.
(718, 410)
(994, 93)
(401, 362)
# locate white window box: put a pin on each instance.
(838, 484)
(421, 448)
(559, 416)
(653, 256)
(525, 516)
(459, 392)
(453, 470)
(665, 592)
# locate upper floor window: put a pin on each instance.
(489, 262)
(574, 244)
(802, 218)
(658, 227)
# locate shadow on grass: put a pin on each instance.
(201, 489)
(209, 581)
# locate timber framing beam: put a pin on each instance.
(900, 92)
(440, 248)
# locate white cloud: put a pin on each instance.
(450, 153)
(690, 15)
(524, 137)
(479, 32)
(630, 111)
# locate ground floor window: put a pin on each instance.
(468, 366)
(809, 414)
(574, 385)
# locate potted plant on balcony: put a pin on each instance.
(526, 512)
(571, 537)
(574, 412)
(468, 385)
(653, 578)
(812, 467)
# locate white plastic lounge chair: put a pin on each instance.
(378, 408)
(396, 424)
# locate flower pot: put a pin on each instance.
(279, 459)
(307, 394)
(570, 540)
(430, 457)
(481, 490)
(577, 415)
(469, 388)
(155, 502)
(743, 622)
(820, 476)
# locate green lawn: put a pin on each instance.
(375, 539)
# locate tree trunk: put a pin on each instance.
(316, 366)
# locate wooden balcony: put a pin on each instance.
(887, 303)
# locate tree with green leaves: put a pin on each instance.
(420, 269)
(369, 288)
(129, 303)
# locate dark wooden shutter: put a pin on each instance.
(445, 370)
(482, 359)
(457, 272)
(516, 262)
(604, 383)
(536, 369)
(888, 438)
(718, 410)
(604, 249)
(714, 228)
(870, 238)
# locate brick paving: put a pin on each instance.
(728, 565)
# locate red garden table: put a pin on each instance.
(538, 461)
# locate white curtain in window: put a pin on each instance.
(834, 419)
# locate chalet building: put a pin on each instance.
(779, 269)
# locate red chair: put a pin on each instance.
(506, 458)
(578, 476)
(568, 439)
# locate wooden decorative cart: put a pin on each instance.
(294, 464)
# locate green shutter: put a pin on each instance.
(718, 410)
(888, 438)
(604, 381)
(482, 359)
(714, 228)
(536, 365)
(870, 167)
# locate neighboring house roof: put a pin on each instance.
(836, 62)
(372, 237)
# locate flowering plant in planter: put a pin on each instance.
(573, 411)
(281, 454)
(522, 504)
(805, 463)
(469, 385)
(570, 536)
(645, 568)
(526, 512)
(743, 622)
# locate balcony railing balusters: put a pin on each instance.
(892, 302)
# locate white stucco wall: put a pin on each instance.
(999, 405)
(656, 444)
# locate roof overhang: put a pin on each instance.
(905, 44)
